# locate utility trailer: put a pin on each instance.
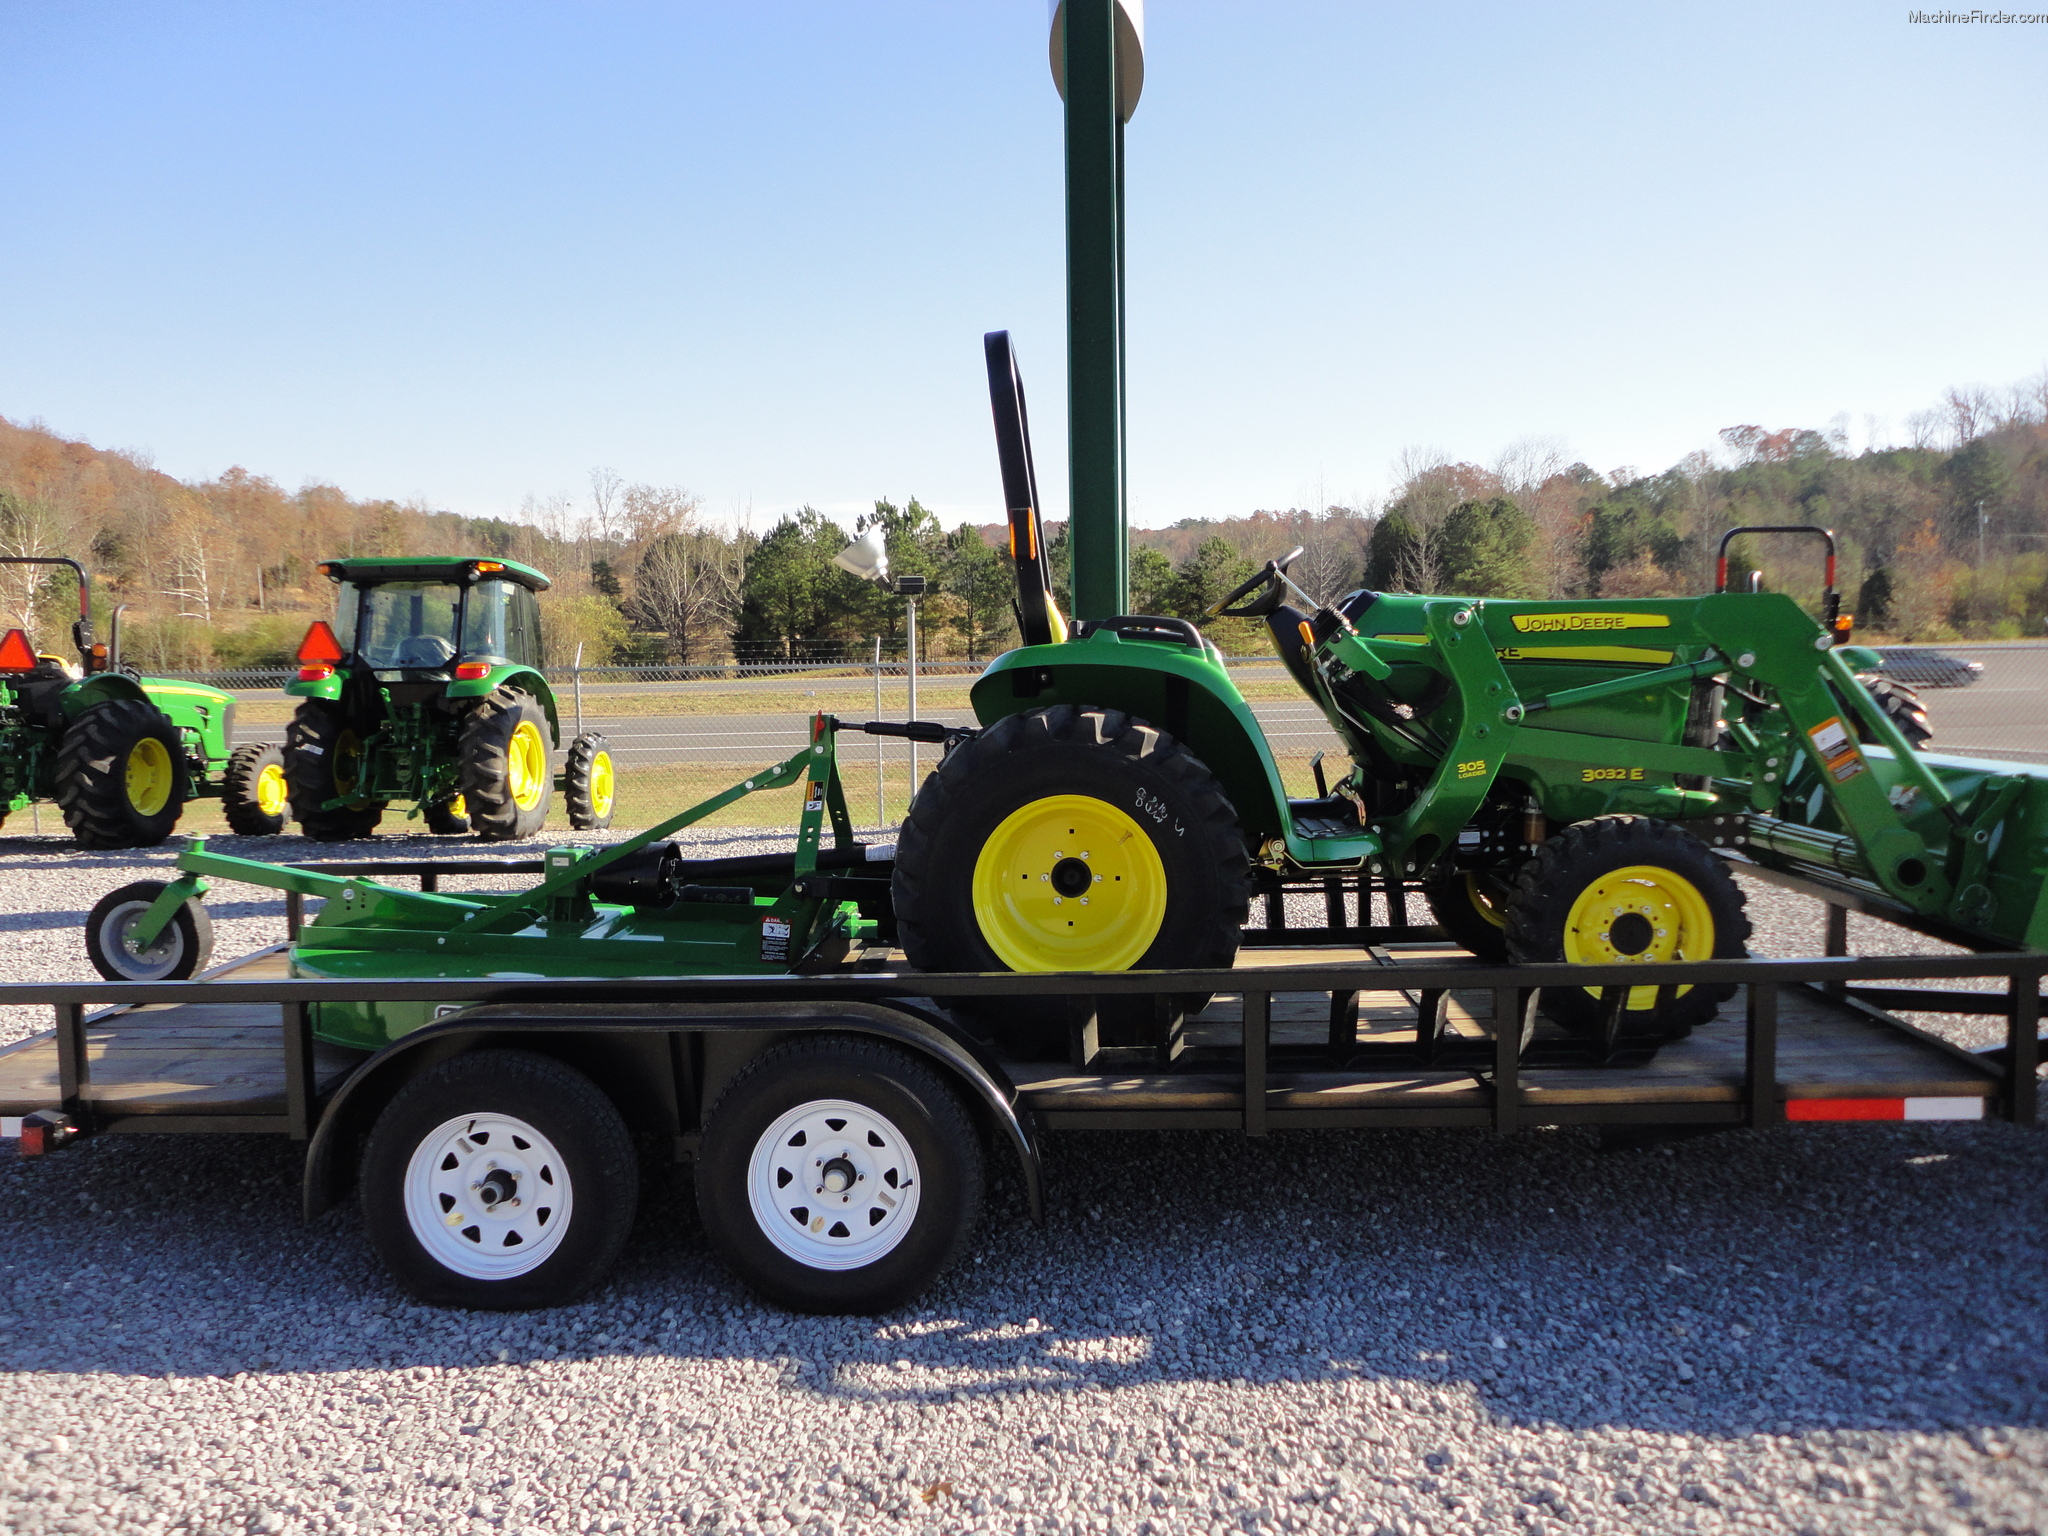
(840, 1123)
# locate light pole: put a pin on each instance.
(868, 558)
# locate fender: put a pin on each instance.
(98, 689)
(375, 1080)
(513, 677)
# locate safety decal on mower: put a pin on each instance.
(775, 934)
(1837, 749)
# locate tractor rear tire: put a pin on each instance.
(590, 791)
(1471, 904)
(1071, 839)
(1901, 705)
(255, 796)
(122, 778)
(322, 755)
(179, 953)
(1621, 888)
(506, 783)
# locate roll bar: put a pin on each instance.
(1831, 598)
(81, 628)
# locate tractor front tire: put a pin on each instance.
(506, 783)
(1471, 905)
(179, 953)
(590, 784)
(256, 798)
(322, 758)
(1901, 706)
(1070, 839)
(1617, 889)
(121, 775)
(448, 818)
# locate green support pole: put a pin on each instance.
(1095, 309)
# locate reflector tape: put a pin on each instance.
(16, 654)
(1884, 1109)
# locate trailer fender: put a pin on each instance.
(328, 1174)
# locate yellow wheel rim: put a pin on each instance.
(458, 806)
(603, 785)
(270, 789)
(1641, 914)
(526, 766)
(1069, 883)
(149, 776)
(1483, 903)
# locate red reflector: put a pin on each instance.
(16, 654)
(33, 1141)
(320, 644)
(1845, 1109)
(470, 671)
(315, 672)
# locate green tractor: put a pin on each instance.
(119, 753)
(427, 691)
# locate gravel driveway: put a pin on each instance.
(1814, 1329)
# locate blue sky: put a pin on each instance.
(463, 252)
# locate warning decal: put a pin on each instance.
(1837, 750)
(775, 935)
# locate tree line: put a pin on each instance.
(1943, 535)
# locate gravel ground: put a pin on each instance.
(1815, 1329)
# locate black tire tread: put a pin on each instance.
(1450, 902)
(486, 731)
(92, 783)
(193, 918)
(1901, 705)
(583, 752)
(309, 777)
(238, 790)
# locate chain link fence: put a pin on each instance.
(681, 734)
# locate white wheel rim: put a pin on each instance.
(833, 1184)
(117, 942)
(488, 1196)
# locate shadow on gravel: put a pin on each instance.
(74, 920)
(1857, 1277)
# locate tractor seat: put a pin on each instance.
(422, 652)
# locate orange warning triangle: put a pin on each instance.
(16, 654)
(320, 644)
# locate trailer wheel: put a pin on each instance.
(255, 796)
(505, 778)
(323, 761)
(1627, 888)
(590, 786)
(121, 775)
(499, 1180)
(1471, 904)
(1069, 839)
(839, 1175)
(180, 951)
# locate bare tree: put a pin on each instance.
(648, 512)
(605, 485)
(687, 585)
(29, 529)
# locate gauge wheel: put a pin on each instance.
(590, 785)
(838, 1174)
(255, 795)
(180, 951)
(447, 818)
(499, 1180)
(1093, 842)
(506, 782)
(1471, 904)
(1621, 889)
(121, 775)
(323, 763)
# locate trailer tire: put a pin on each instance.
(505, 779)
(322, 757)
(179, 953)
(1471, 904)
(255, 795)
(866, 1113)
(988, 819)
(1620, 888)
(590, 785)
(530, 1151)
(1901, 706)
(122, 777)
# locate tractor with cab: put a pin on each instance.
(428, 690)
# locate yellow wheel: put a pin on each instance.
(150, 777)
(255, 791)
(1627, 890)
(1069, 883)
(601, 785)
(526, 766)
(271, 793)
(589, 784)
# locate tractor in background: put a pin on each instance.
(427, 691)
(120, 754)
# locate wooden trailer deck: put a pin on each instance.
(224, 1065)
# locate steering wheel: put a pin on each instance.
(1268, 576)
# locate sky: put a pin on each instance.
(461, 253)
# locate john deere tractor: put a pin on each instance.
(119, 753)
(426, 691)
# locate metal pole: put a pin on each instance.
(881, 814)
(576, 676)
(910, 629)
